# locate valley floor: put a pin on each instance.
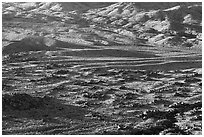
(106, 90)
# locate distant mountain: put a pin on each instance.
(83, 6)
(160, 23)
(46, 11)
(105, 24)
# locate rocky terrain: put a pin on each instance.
(102, 68)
